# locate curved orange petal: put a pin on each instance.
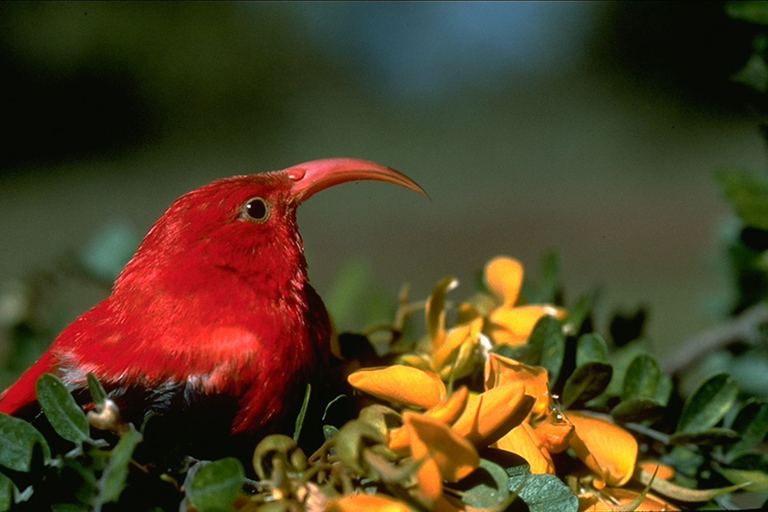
(400, 384)
(522, 441)
(454, 456)
(500, 370)
(445, 412)
(490, 415)
(374, 503)
(504, 277)
(607, 449)
(513, 326)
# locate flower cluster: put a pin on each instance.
(445, 419)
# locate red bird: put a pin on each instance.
(214, 315)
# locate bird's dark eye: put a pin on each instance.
(256, 210)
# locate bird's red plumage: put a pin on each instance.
(214, 303)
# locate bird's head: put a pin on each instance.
(243, 224)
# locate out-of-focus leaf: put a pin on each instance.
(17, 443)
(708, 404)
(61, 410)
(548, 337)
(546, 291)
(642, 378)
(664, 389)
(752, 481)
(748, 194)
(753, 12)
(591, 347)
(486, 487)
(751, 423)
(113, 479)
(578, 313)
(586, 382)
(216, 485)
(636, 409)
(6, 493)
(709, 437)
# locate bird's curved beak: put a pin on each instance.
(310, 178)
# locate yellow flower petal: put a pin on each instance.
(513, 326)
(445, 412)
(377, 503)
(504, 277)
(524, 442)
(400, 384)
(454, 456)
(607, 449)
(500, 370)
(490, 415)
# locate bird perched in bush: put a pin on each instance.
(213, 321)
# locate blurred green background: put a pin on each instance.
(592, 129)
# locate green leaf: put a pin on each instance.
(113, 479)
(548, 337)
(98, 393)
(6, 493)
(708, 404)
(578, 313)
(751, 423)
(748, 194)
(586, 382)
(302, 413)
(749, 480)
(486, 487)
(753, 12)
(637, 409)
(61, 409)
(664, 390)
(216, 485)
(547, 289)
(642, 378)
(17, 443)
(542, 493)
(591, 347)
(711, 437)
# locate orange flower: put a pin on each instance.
(446, 412)
(488, 416)
(511, 325)
(607, 449)
(442, 453)
(535, 444)
(374, 503)
(500, 370)
(400, 384)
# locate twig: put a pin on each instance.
(744, 327)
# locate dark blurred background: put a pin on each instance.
(592, 129)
